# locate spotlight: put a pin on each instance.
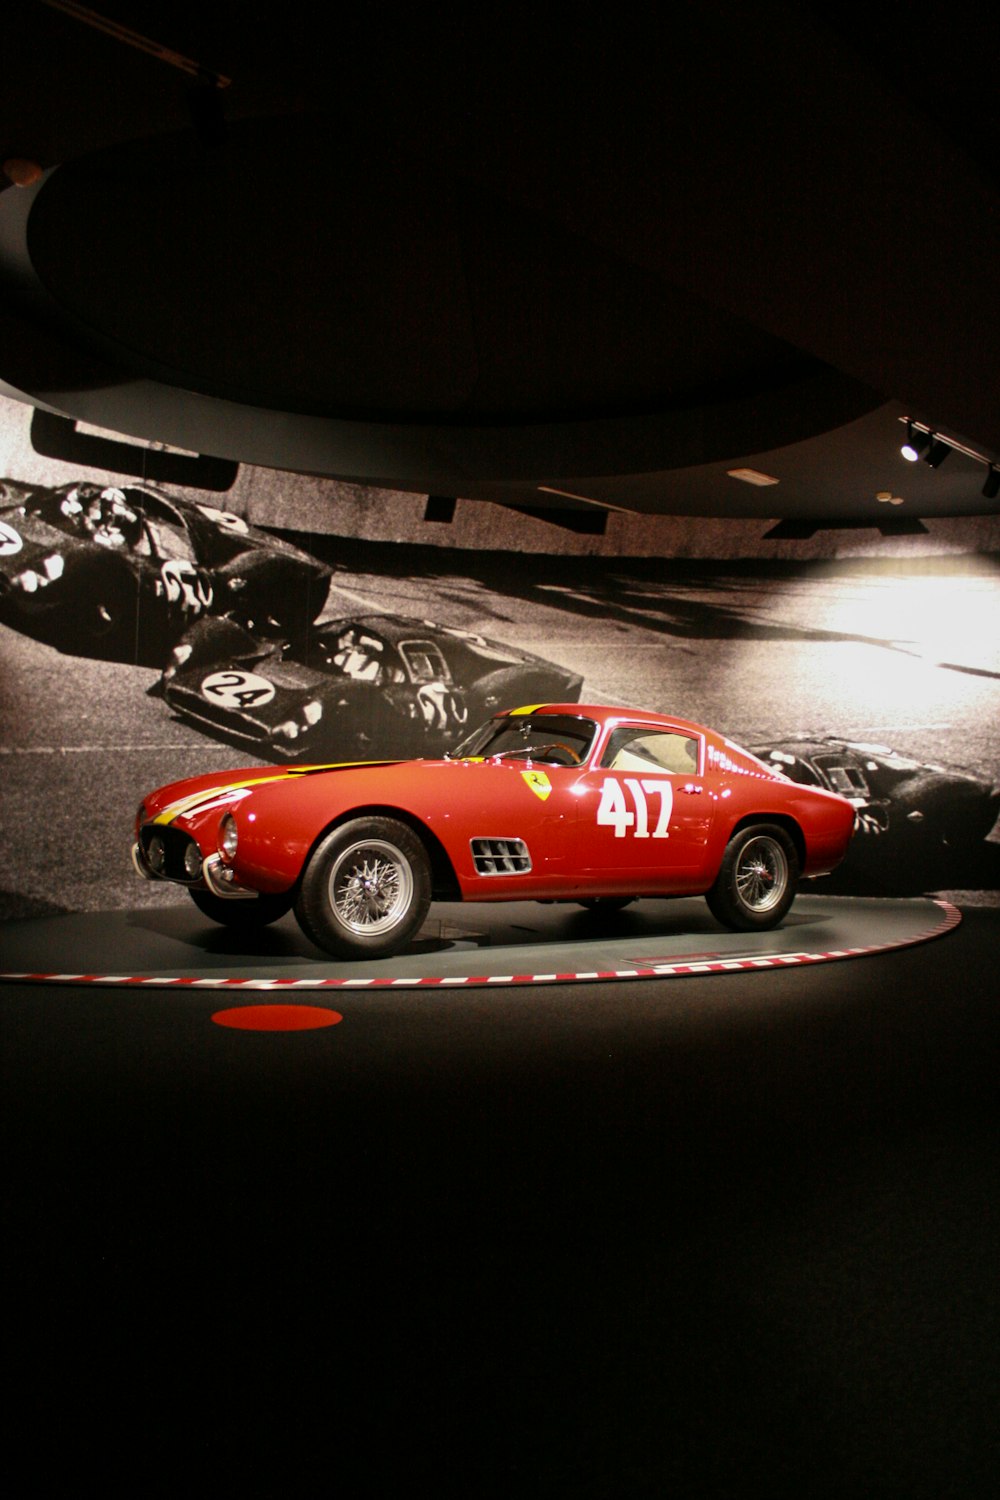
(916, 443)
(923, 442)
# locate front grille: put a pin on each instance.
(175, 844)
(500, 856)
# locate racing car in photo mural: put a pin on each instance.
(556, 802)
(916, 822)
(347, 688)
(102, 570)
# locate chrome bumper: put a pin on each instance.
(213, 873)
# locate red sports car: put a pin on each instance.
(556, 802)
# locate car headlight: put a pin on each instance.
(156, 853)
(313, 711)
(192, 861)
(228, 837)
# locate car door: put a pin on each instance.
(646, 812)
(510, 826)
(506, 808)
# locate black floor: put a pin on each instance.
(709, 1237)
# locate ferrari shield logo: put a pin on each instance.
(538, 782)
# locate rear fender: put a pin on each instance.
(276, 590)
(782, 820)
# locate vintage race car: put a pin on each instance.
(552, 803)
(101, 570)
(352, 688)
(920, 820)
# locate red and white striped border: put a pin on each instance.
(951, 917)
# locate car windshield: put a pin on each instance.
(556, 739)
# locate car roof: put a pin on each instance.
(604, 714)
(394, 628)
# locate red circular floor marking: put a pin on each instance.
(277, 1017)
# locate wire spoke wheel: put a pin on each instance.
(761, 874)
(371, 887)
(757, 878)
(366, 889)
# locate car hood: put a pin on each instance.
(202, 793)
(280, 690)
(292, 684)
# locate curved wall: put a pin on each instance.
(835, 652)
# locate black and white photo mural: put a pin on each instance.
(162, 615)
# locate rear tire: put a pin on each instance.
(366, 889)
(757, 879)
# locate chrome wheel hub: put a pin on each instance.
(371, 887)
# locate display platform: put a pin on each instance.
(517, 943)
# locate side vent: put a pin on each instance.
(500, 856)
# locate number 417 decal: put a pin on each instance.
(615, 812)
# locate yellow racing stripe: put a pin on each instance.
(208, 794)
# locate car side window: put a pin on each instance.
(424, 661)
(845, 779)
(652, 750)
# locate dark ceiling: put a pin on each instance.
(497, 256)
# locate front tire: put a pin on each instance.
(365, 890)
(757, 879)
(244, 915)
